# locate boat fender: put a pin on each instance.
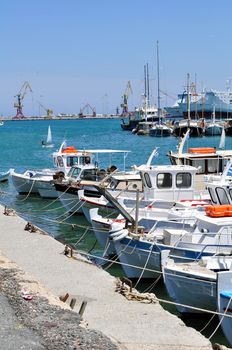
(123, 234)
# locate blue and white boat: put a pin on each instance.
(140, 254)
(224, 303)
(193, 285)
(213, 128)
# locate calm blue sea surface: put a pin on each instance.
(20, 142)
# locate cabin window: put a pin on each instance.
(222, 196)
(212, 165)
(200, 164)
(72, 161)
(212, 195)
(74, 172)
(60, 161)
(147, 180)
(183, 180)
(164, 180)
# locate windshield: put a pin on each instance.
(74, 172)
(89, 174)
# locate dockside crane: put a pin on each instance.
(20, 96)
(49, 111)
(87, 106)
(125, 97)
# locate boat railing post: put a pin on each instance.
(137, 212)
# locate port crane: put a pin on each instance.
(125, 97)
(20, 96)
(87, 106)
(49, 111)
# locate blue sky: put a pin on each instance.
(76, 52)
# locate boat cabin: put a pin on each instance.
(220, 187)
(126, 182)
(208, 160)
(85, 172)
(168, 182)
(65, 158)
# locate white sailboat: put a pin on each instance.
(160, 128)
(213, 128)
(48, 143)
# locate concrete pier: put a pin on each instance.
(132, 324)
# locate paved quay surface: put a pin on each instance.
(132, 324)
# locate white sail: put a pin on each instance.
(49, 137)
(222, 140)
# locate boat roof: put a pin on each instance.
(220, 221)
(129, 177)
(217, 153)
(166, 167)
(87, 152)
(105, 151)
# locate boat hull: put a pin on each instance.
(160, 132)
(143, 258)
(224, 303)
(184, 288)
(213, 130)
(180, 131)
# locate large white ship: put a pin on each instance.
(202, 105)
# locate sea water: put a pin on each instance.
(20, 142)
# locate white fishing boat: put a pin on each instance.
(48, 143)
(208, 160)
(193, 285)
(140, 254)
(123, 186)
(224, 303)
(1, 122)
(109, 230)
(162, 187)
(160, 129)
(70, 192)
(211, 229)
(63, 160)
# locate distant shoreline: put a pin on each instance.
(108, 116)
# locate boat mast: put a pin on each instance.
(148, 88)
(145, 93)
(158, 80)
(188, 96)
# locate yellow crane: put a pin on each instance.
(20, 96)
(125, 97)
(49, 111)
